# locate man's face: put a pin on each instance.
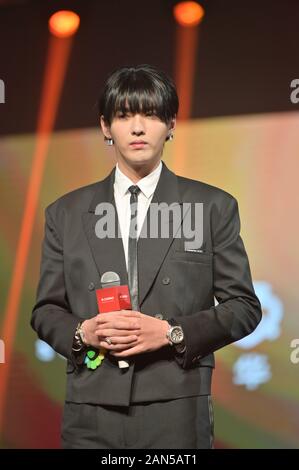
(128, 128)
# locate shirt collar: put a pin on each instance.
(147, 184)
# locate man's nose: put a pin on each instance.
(138, 124)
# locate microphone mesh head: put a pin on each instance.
(110, 278)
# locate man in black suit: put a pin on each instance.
(141, 378)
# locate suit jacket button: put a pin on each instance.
(159, 315)
(166, 280)
(91, 286)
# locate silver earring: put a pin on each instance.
(170, 136)
(109, 141)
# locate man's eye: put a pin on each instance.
(123, 115)
(151, 114)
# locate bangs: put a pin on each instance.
(140, 100)
(141, 91)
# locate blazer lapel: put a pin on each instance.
(108, 253)
(152, 251)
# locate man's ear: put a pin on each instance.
(172, 124)
(105, 128)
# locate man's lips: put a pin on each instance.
(138, 144)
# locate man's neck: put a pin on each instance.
(136, 173)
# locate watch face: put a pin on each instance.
(177, 335)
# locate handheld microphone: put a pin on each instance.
(113, 297)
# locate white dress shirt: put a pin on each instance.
(122, 196)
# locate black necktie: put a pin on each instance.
(132, 249)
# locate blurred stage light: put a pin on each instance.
(188, 13)
(43, 351)
(64, 23)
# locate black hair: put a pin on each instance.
(146, 90)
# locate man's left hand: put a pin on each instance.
(150, 336)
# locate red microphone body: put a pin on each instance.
(113, 297)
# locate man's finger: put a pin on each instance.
(104, 332)
(127, 352)
(125, 340)
(119, 325)
(105, 317)
(117, 347)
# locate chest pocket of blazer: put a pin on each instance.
(202, 257)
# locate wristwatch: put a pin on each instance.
(175, 336)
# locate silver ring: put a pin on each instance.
(108, 340)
